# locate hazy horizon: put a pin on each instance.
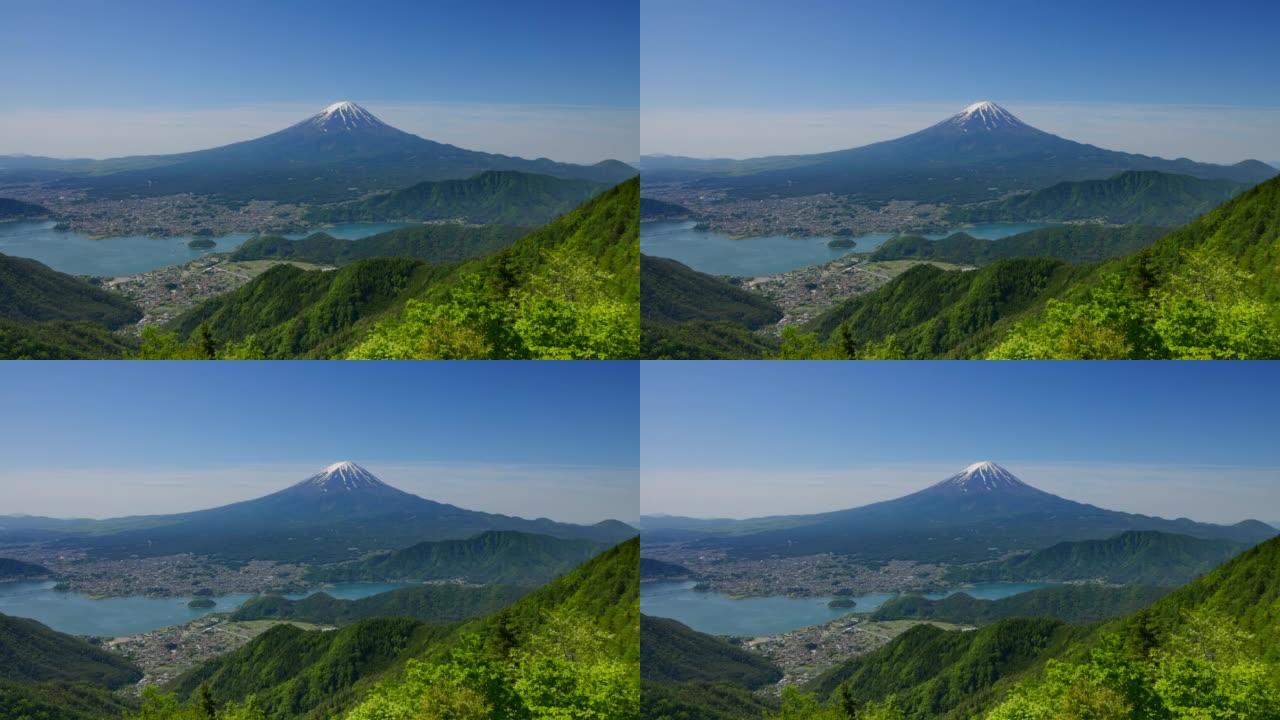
(116, 439)
(738, 79)
(745, 440)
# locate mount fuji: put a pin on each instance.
(981, 512)
(341, 512)
(340, 153)
(982, 152)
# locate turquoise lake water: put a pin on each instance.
(718, 254)
(79, 614)
(78, 254)
(718, 614)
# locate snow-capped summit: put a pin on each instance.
(980, 477)
(984, 116)
(344, 116)
(344, 476)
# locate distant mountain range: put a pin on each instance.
(979, 513)
(981, 153)
(342, 152)
(342, 512)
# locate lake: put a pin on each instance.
(79, 614)
(718, 614)
(78, 254)
(718, 254)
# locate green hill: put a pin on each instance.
(32, 292)
(320, 675)
(1136, 557)
(570, 289)
(498, 556)
(60, 700)
(31, 652)
(927, 312)
(291, 313)
(60, 340)
(1134, 197)
(672, 652)
(688, 674)
(936, 674)
(429, 603)
(1210, 289)
(691, 315)
(11, 569)
(11, 209)
(1076, 604)
(1074, 244)
(445, 243)
(504, 197)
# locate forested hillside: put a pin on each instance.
(1134, 197)
(444, 243)
(1076, 604)
(1074, 244)
(497, 556)
(441, 603)
(505, 197)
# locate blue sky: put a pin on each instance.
(105, 439)
(748, 439)
(789, 69)
(105, 63)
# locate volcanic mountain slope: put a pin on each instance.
(342, 152)
(982, 152)
(339, 513)
(981, 512)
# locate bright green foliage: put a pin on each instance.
(568, 290)
(1204, 310)
(157, 705)
(799, 345)
(59, 700)
(1207, 290)
(1207, 670)
(798, 705)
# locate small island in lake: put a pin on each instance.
(201, 603)
(841, 243)
(203, 243)
(842, 603)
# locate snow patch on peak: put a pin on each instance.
(984, 115)
(344, 465)
(341, 105)
(981, 105)
(982, 476)
(983, 465)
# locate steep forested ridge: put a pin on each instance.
(1075, 604)
(442, 603)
